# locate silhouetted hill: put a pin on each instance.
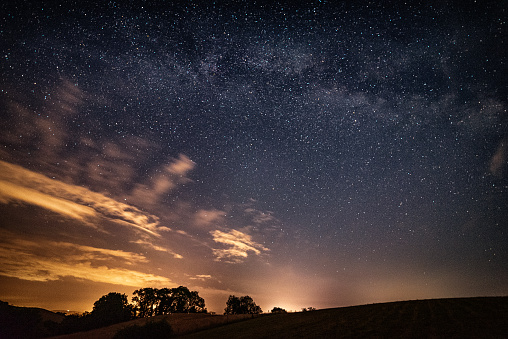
(26, 322)
(437, 318)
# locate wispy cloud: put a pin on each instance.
(205, 218)
(238, 245)
(157, 248)
(22, 185)
(45, 260)
(165, 179)
(499, 159)
(201, 277)
(106, 165)
(260, 217)
(10, 191)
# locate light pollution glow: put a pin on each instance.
(40, 259)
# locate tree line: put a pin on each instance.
(152, 301)
(114, 308)
(147, 302)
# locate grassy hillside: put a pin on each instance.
(441, 318)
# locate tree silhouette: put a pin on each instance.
(308, 309)
(180, 299)
(278, 310)
(241, 305)
(196, 303)
(146, 301)
(152, 301)
(165, 301)
(112, 308)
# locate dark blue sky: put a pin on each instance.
(357, 150)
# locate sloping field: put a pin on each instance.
(438, 318)
(180, 323)
(435, 318)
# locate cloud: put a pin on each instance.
(499, 159)
(181, 165)
(163, 181)
(112, 169)
(44, 260)
(95, 253)
(9, 192)
(48, 128)
(201, 277)
(20, 184)
(157, 248)
(260, 217)
(239, 245)
(54, 135)
(208, 217)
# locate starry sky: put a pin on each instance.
(325, 154)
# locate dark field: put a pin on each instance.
(439, 318)
(436, 318)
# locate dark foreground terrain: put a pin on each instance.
(435, 318)
(439, 318)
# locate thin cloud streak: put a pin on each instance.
(157, 248)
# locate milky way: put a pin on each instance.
(319, 155)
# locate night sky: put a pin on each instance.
(324, 155)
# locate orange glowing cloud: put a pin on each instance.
(239, 243)
(20, 184)
(44, 260)
(10, 192)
